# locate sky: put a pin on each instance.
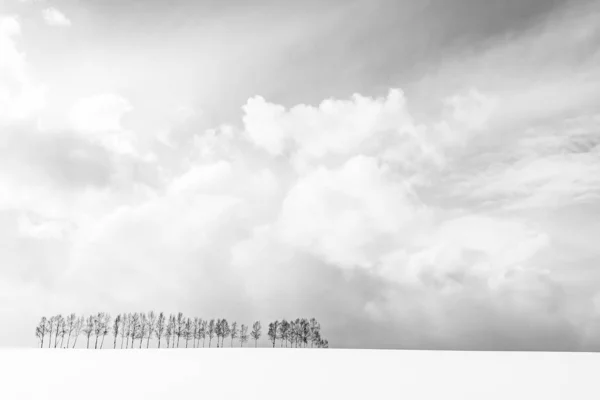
(415, 175)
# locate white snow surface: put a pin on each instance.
(290, 374)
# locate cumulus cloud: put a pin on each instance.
(55, 17)
(20, 96)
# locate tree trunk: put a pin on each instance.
(102, 344)
(148, 342)
(68, 339)
(159, 342)
(115, 344)
(96, 344)
(62, 339)
(88, 342)
(75, 342)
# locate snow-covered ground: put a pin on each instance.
(288, 374)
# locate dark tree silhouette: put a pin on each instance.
(218, 331)
(225, 331)
(196, 330)
(234, 332)
(160, 327)
(78, 327)
(315, 331)
(243, 335)
(71, 322)
(135, 328)
(180, 327)
(272, 332)
(171, 331)
(151, 326)
(116, 329)
(284, 328)
(105, 327)
(40, 330)
(50, 329)
(256, 332)
(58, 323)
(124, 325)
(211, 331)
(187, 331)
(143, 328)
(203, 331)
(88, 329)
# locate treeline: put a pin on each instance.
(137, 330)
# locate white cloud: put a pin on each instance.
(55, 17)
(20, 96)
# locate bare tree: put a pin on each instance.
(256, 332)
(40, 331)
(71, 322)
(124, 326)
(187, 331)
(203, 331)
(225, 331)
(98, 327)
(129, 329)
(143, 328)
(284, 328)
(151, 326)
(272, 332)
(105, 327)
(315, 331)
(211, 331)
(88, 329)
(196, 330)
(78, 327)
(234, 332)
(170, 330)
(304, 331)
(116, 329)
(180, 327)
(243, 335)
(218, 331)
(135, 327)
(160, 327)
(58, 322)
(50, 329)
(63, 332)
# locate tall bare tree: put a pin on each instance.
(124, 326)
(135, 327)
(196, 330)
(129, 330)
(171, 328)
(187, 331)
(203, 331)
(225, 331)
(116, 329)
(256, 332)
(243, 335)
(211, 331)
(106, 318)
(71, 322)
(58, 322)
(219, 331)
(50, 328)
(160, 327)
(78, 327)
(151, 326)
(40, 331)
(143, 328)
(234, 332)
(180, 326)
(315, 331)
(63, 332)
(88, 329)
(284, 328)
(272, 332)
(99, 318)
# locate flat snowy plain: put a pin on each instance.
(289, 374)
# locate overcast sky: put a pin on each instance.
(412, 174)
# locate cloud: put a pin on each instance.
(55, 17)
(20, 96)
